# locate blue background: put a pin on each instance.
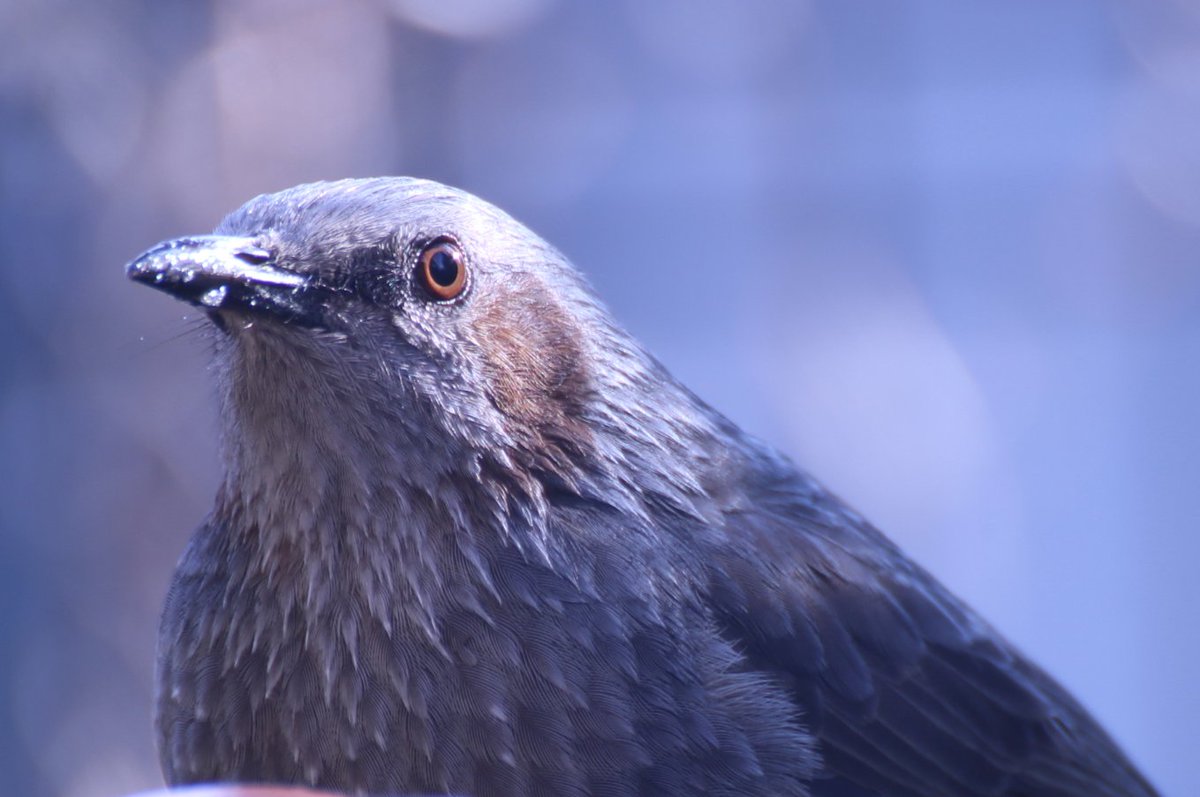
(945, 254)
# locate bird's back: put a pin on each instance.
(907, 691)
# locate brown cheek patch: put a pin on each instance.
(536, 371)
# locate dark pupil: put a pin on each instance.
(443, 268)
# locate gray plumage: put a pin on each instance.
(486, 545)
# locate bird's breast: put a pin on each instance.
(526, 687)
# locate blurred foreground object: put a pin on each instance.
(228, 790)
(471, 538)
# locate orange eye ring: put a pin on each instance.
(443, 269)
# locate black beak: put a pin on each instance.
(221, 272)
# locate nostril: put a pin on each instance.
(254, 256)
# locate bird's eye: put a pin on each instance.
(443, 269)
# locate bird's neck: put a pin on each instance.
(344, 482)
(337, 513)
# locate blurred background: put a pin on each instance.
(944, 254)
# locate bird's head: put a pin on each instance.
(407, 320)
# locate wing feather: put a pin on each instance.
(907, 690)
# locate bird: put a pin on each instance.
(472, 539)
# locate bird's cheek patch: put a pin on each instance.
(536, 373)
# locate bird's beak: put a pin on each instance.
(222, 272)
